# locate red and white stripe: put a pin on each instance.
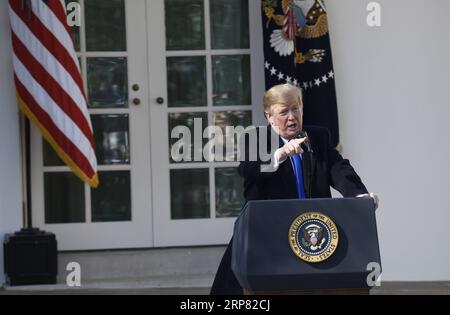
(49, 84)
(290, 24)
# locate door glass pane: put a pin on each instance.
(50, 156)
(229, 192)
(107, 82)
(64, 198)
(229, 24)
(230, 123)
(185, 25)
(75, 30)
(231, 80)
(189, 191)
(181, 121)
(111, 133)
(186, 81)
(105, 25)
(111, 201)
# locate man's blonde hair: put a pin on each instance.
(282, 93)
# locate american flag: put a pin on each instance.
(49, 84)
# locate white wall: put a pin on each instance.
(392, 86)
(10, 175)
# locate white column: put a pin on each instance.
(10, 178)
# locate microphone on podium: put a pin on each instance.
(304, 134)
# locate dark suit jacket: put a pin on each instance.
(322, 168)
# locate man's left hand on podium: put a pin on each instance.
(375, 198)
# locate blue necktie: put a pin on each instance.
(296, 160)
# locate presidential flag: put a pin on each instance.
(49, 86)
(297, 51)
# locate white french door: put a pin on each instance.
(111, 45)
(149, 66)
(206, 69)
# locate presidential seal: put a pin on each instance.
(313, 237)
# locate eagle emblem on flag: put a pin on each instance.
(297, 51)
(300, 19)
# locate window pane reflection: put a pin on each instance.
(107, 82)
(231, 80)
(185, 25)
(111, 201)
(229, 24)
(64, 198)
(186, 81)
(189, 192)
(229, 192)
(111, 133)
(105, 25)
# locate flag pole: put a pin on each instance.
(25, 147)
(29, 225)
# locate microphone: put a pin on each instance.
(304, 134)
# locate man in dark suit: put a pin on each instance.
(303, 165)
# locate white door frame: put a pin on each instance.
(111, 235)
(190, 232)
